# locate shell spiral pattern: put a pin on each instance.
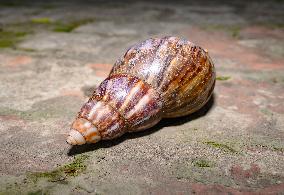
(157, 78)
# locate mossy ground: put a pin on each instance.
(38, 192)
(10, 38)
(13, 33)
(41, 20)
(202, 163)
(63, 172)
(70, 26)
(223, 78)
(221, 146)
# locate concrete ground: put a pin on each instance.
(54, 53)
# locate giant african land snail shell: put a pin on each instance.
(158, 78)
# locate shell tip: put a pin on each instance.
(70, 140)
(75, 138)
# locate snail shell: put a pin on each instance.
(157, 78)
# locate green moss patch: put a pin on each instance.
(70, 26)
(41, 20)
(10, 38)
(223, 78)
(202, 163)
(13, 33)
(62, 173)
(266, 112)
(38, 192)
(76, 167)
(221, 146)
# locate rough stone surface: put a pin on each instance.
(234, 145)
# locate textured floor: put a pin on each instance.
(53, 54)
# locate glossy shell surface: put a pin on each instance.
(159, 77)
(181, 72)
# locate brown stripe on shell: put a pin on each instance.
(187, 71)
(188, 93)
(145, 111)
(115, 90)
(102, 116)
(169, 63)
(175, 86)
(146, 64)
(193, 99)
(136, 93)
(132, 98)
(164, 56)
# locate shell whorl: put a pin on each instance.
(133, 99)
(122, 103)
(167, 77)
(180, 71)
